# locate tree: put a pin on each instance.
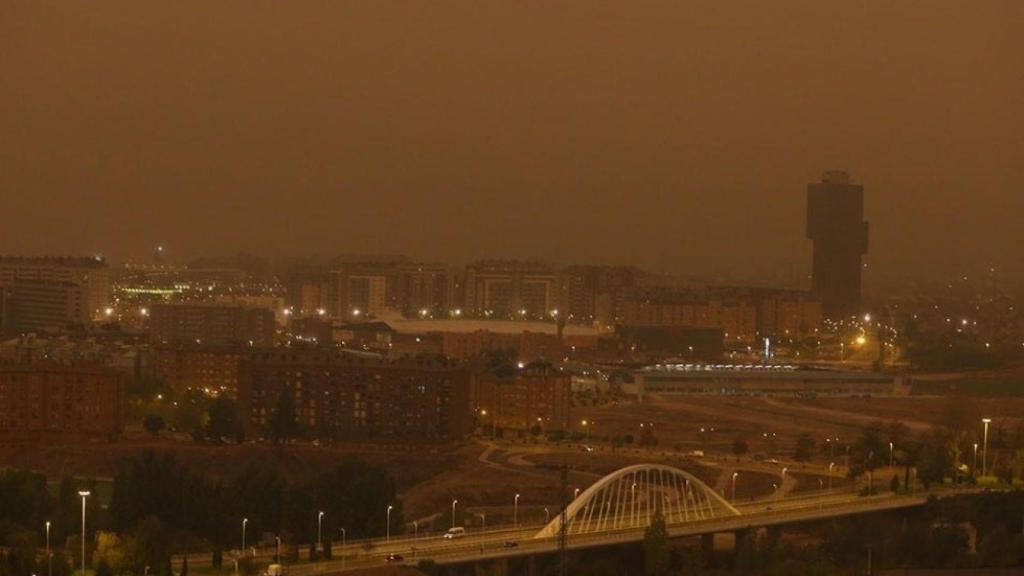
(804, 448)
(223, 420)
(739, 446)
(657, 556)
(282, 423)
(154, 424)
(869, 452)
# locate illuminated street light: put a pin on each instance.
(984, 449)
(84, 494)
(388, 529)
(49, 557)
(515, 511)
(454, 503)
(244, 522)
(735, 475)
(320, 530)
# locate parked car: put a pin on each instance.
(395, 558)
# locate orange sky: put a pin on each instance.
(674, 135)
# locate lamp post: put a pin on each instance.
(244, 522)
(547, 515)
(320, 530)
(84, 494)
(49, 558)
(984, 448)
(277, 557)
(735, 475)
(575, 493)
(515, 511)
(974, 468)
(343, 535)
(890, 454)
(388, 533)
(454, 504)
(831, 465)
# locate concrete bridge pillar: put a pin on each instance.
(707, 549)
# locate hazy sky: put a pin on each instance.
(676, 135)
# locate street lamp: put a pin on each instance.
(278, 556)
(831, 465)
(49, 558)
(320, 530)
(454, 504)
(735, 475)
(343, 535)
(547, 515)
(890, 454)
(575, 493)
(244, 522)
(388, 533)
(974, 469)
(84, 494)
(515, 511)
(984, 449)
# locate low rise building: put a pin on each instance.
(212, 324)
(761, 379)
(210, 369)
(353, 397)
(514, 400)
(46, 401)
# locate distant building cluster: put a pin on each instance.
(392, 350)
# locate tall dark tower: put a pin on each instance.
(835, 223)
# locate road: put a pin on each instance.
(491, 545)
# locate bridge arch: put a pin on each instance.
(630, 497)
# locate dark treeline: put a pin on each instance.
(159, 507)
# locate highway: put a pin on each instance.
(497, 544)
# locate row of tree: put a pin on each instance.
(159, 507)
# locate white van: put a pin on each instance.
(275, 570)
(453, 533)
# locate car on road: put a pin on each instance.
(453, 533)
(274, 570)
(511, 544)
(392, 558)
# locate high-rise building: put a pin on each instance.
(92, 274)
(835, 223)
(40, 305)
(510, 289)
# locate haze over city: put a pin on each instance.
(689, 288)
(674, 136)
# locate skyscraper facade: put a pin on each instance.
(835, 223)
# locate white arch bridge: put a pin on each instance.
(630, 498)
